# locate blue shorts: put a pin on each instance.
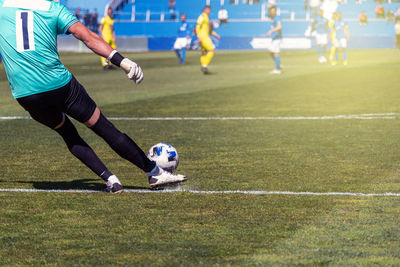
(49, 107)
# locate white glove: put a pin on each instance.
(132, 70)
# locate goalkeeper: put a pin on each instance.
(203, 35)
(49, 92)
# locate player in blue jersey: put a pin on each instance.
(49, 92)
(321, 30)
(276, 35)
(183, 39)
(340, 35)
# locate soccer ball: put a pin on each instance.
(165, 156)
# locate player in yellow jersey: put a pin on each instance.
(341, 34)
(332, 37)
(108, 34)
(203, 32)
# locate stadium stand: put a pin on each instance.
(86, 5)
(152, 19)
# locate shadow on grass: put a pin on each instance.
(81, 184)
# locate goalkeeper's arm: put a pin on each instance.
(100, 47)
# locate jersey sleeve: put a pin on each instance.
(65, 20)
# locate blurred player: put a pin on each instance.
(49, 92)
(203, 35)
(276, 34)
(340, 35)
(321, 28)
(108, 34)
(183, 40)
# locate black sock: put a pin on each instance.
(122, 144)
(80, 149)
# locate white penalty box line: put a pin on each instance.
(376, 116)
(202, 192)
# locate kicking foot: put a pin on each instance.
(165, 178)
(114, 186)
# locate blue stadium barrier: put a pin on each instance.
(161, 43)
(130, 44)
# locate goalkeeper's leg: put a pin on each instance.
(127, 149)
(120, 142)
(81, 150)
(80, 106)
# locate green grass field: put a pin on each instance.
(188, 229)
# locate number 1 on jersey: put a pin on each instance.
(24, 31)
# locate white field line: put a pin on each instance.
(142, 191)
(378, 116)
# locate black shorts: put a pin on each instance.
(49, 107)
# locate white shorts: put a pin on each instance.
(275, 46)
(341, 43)
(181, 43)
(322, 39)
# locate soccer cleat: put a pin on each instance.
(345, 63)
(204, 70)
(334, 63)
(165, 178)
(114, 186)
(275, 71)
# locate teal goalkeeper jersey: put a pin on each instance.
(28, 44)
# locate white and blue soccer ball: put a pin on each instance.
(165, 156)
